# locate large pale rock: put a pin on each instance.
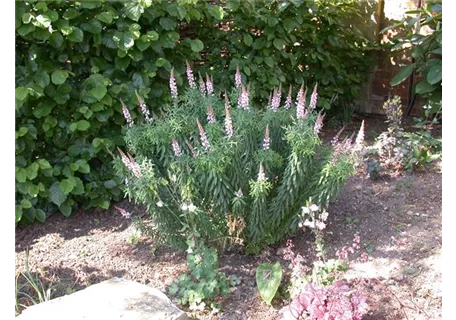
(112, 299)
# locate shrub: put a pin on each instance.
(228, 171)
(76, 61)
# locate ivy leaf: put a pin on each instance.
(134, 10)
(403, 74)
(59, 76)
(56, 195)
(197, 45)
(105, 17)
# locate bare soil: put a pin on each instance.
(398, 218)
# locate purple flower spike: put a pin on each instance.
(209, 85)
(301, 111)
(143, 107)
(319, 123)
(266, 139)
(172, 85)
(243, 100)
(126, 114)
(261, 174)
(335, 139)
(360, 137)
(275, 103)
(237, 78)
(176, 148)
(313, 98)
(190, 78)
(210, 114)
(288, 100)
(228, 122)
(204, 140)
(202, 84)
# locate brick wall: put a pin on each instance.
(377, 90)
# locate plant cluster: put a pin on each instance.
(228, 171)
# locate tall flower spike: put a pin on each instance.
(204, 140)
(134, 167)
(318, 123)
(335, 139)
(202, 84)
(143, 107)
(266, 139)
(301, 111)
(176, 148)
(126, 114)
(190, 78)
(275, 104)
(261, 174)
(360, 137)
(243, 100)
(209, 85)
(172, 85)
(237, 78)
(288, 100)
(313, 98)
(210, 114)
(228, 122)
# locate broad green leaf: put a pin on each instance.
(26, 204)
(65, 209)
(32, 171)
(71, 13)
(105, 17)
(42, 21)
(73, 127)
(67, 185)
(248, 40)
(27, 17)
(59, 76)
(197, 45)
(278, 43)
(160, 62)
(134, 10)
(44, 164)
(77, 35)
(269, 62)
(56, 40)
(83, 125)
(42, 79)
(268, 278)
(99, 91)
(33, 190)
(168, 23)
(424, 87)
(21, 174)
(152, 35)
(83, 166)
(25, 29)
(56, 195)
(40, 215)
(110, 184)
(21, 93)
(435, 74)
(403, 74)
(93, 26)
(22, 131)
(90, 4)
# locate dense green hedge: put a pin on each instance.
(76, 60)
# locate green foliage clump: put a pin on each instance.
(230, 172)
(76, 62)
(421, 30)
(204, 283)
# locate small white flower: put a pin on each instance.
(159, 204)
(305, 210)
(314, 208)
(310, 224)
(191, 208)
(320, 225)
(324, 215)
(184, 207)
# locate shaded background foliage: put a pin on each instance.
(76, 60)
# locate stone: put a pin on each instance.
(113, 299)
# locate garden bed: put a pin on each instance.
(398, 218)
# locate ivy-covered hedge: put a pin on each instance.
(75, 61)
